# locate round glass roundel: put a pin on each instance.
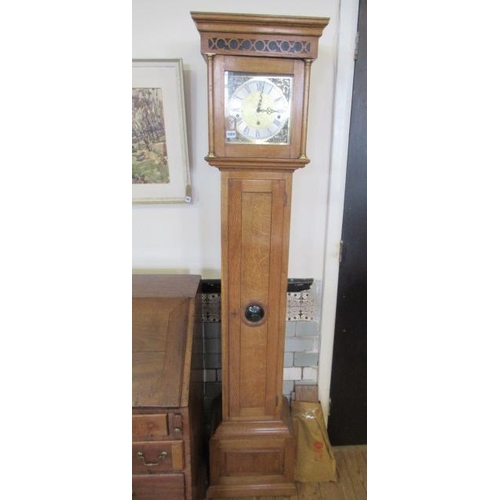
(254, 313)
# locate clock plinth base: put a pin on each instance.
(253, 458)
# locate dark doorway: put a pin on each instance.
(348, 389)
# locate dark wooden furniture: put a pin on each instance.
(167, 388)
(258, 93)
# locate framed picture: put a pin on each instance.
(160, 165)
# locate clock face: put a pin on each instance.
(257, 108)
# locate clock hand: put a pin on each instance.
(258, 105)
(270, 110)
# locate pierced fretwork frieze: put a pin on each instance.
(260, 45)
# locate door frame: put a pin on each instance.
(343, 88)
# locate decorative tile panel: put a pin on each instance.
(300, 307)
(210, 307)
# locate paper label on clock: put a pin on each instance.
(230, 134)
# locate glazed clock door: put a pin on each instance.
(260, 102)
(255, 229)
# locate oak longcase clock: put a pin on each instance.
(258, 93)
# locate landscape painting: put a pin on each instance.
(160, 159)
(149, 145)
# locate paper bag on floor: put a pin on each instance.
(315, 460)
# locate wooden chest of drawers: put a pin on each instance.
(168, 460)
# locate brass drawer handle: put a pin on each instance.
(161, 456)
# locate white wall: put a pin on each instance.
(187, 237)
(348, 25)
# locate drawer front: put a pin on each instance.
(161, 487)
(149, 426)
(151, 457)
(157, 426)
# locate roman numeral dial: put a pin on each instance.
(257, 108)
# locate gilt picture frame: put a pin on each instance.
(160, 160)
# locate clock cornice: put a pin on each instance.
(272, 36)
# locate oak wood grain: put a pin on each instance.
(159, 343)
(167, 410)
(255, 228)
(252, 450)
